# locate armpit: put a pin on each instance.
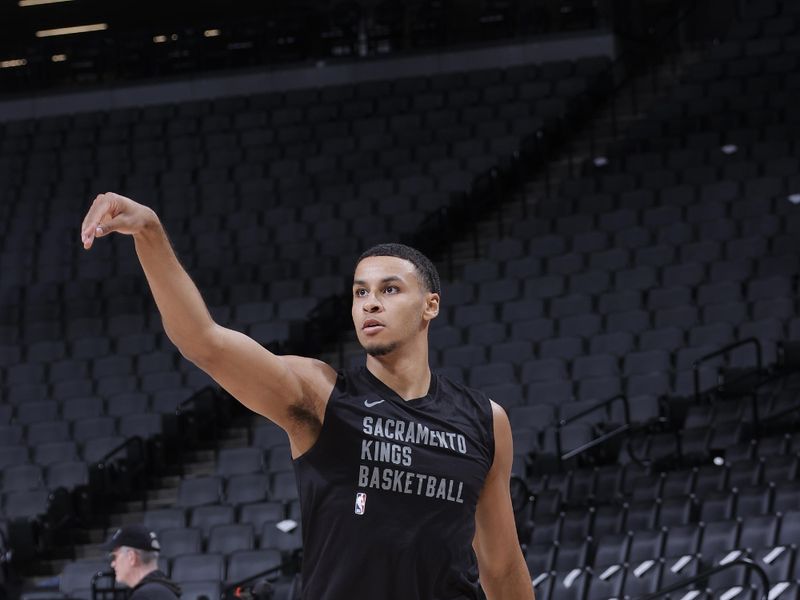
(304, 416)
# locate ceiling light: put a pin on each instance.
(159, 39)
(58, 57)
(71, 30)
(39, 2)
(211, 33)
(14, 62)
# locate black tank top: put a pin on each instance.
(388, 492)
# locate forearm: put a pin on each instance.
(514, 585)
(183, 311)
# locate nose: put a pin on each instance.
(371, 305)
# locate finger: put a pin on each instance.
(113, 224)
(92, 216)
(100, 207)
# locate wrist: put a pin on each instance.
(151, 224)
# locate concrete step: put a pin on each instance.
(161, 494)
(118, 519)
(200, 469)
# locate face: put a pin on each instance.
(390, 303)
(121, 562)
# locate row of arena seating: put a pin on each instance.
(645, 262)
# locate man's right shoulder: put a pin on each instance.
(153, 590)
(317, 376)
(317, 380)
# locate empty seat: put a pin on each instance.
(13, 455)
(49, 453)
(206, 517)
(597, 365)
(565, 348)
(36, 412)
(164, 518)
(274, 537)
(68, 474)
(464, 356)
(247, 488)
(225, 539)
(26, 504)
(246, 563)
(198, 567)
(78, 575)
(547, 369)
(482, 376)
(719, 536)
(97, 449)
(199, 491)
(237, 461)
(144, 425)
(22, 477)
(176, 541)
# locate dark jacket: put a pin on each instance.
(155, 586)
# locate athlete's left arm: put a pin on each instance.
(503, 572)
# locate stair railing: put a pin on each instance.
(739, 562)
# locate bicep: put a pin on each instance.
(496, 544)
(273, 386)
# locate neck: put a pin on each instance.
(405, 369)
(140, 574)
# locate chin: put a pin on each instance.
(379, 349)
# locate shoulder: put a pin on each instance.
(500, 422)
(460, 391)
(474, 405)
(152, 590)
(315, 373)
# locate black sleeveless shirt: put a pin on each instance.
(388, 492)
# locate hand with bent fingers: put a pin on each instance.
(111, 212)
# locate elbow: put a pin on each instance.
(199, 348)
(507, 580)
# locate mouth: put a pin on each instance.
(371, 326)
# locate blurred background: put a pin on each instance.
(610, 190)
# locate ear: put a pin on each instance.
(431, 306)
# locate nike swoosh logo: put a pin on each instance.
(369, 404)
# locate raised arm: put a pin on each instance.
(291, 391)
(501, 566)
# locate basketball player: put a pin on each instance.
(403, 475)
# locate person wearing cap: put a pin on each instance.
(133, 551)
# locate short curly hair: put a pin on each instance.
(425, 269)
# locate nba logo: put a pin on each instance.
(361, 503)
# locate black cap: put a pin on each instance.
(133, 536)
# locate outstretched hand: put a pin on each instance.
(111, 212)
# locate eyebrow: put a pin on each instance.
(384, 280)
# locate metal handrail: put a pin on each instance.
(722, 351)
(114, 590)
(745, 562)
(191, 408)
(193, 399)
(232, 587)
(131, 441)
(599, 440)
(104, 463)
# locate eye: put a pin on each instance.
(360, 292)
(392, 289)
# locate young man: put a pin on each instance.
(403, 475)
(133, 551)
